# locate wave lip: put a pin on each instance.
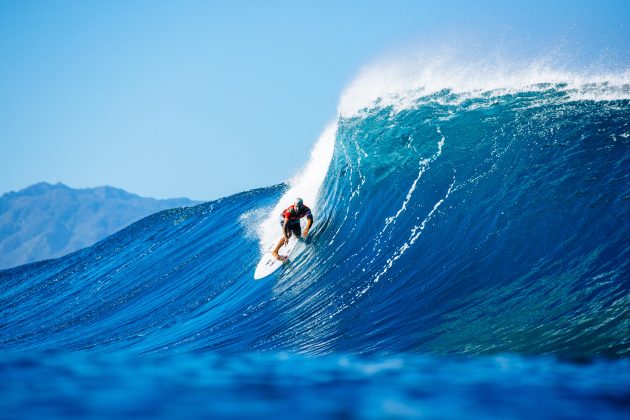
(399, 83)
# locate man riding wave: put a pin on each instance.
(291, 224)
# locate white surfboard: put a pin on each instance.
(269, 264)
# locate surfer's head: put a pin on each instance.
(298, 204)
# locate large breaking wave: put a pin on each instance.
(447, 221)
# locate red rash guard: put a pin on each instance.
(292, 214)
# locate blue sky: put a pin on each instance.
(204, 99)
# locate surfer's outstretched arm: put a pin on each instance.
(309, 223)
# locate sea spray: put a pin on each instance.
(305, 184)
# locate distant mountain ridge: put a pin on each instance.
(50, 220)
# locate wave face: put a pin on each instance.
(446, 223)
(464, 224)
(483, 224)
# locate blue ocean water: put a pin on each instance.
(470, 258)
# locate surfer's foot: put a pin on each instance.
(279, 257)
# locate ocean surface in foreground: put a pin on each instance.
(280, 385)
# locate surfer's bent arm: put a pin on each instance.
(285, 228)
(309, 222)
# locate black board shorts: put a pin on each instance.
(294, 226)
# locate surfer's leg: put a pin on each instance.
(281, 242)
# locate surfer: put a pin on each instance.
(291, 223)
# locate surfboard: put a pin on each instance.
(269, 264)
